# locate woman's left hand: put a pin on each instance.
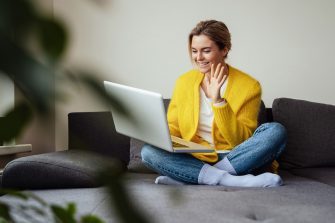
(214, 82)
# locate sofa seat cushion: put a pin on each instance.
(292, 202)
(311, 129)
(64, 169)
(299, 200)
(324, 175)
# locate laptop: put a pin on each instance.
(146, 119)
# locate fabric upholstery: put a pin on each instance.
(299, 200)
(65, 169)
(311, 130)
(135, 162)
(322, 174)
(95, 131)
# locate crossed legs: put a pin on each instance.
(263, 147)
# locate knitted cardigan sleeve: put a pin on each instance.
(172, 115)
(237, 126)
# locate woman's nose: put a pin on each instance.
(199, 56)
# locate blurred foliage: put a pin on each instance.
(33, 209)
(119, 197)
(34, 75)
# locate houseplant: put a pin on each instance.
(31, 47)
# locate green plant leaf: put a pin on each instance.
(91, 219)
(16, 16)
(4, 213)
(71, 209)
(53, 37)
(125, 209)
(3, 220)
(62, 215)
(33, 79)
(14, 121)
(36, 198)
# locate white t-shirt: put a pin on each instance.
(206, 115)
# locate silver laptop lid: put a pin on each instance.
(147, 118)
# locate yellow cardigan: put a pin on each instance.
(233, 123)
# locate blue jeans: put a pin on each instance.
(266, 144)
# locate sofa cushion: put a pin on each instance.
(311, 129)
(322, 174)
(95, 131)
(299, 200)
(65, 169)
(135, 162)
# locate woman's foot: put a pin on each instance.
(262, 180)
(167, 180)
(212, 176)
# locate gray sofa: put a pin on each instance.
(307, 167)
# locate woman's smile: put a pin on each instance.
(203, 64)
(205, 53)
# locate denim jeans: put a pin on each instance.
(265, 145)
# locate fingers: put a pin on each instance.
(217, 74)
(223, 80)
(217, 71)
(212, 70)
(220, 75)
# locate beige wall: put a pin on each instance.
(6, 94)
(287, 45)
(7, 98)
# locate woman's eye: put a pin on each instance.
(207, 51)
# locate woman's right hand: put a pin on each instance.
(214, 82)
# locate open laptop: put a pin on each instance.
(146, 119)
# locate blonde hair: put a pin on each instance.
(217, 31)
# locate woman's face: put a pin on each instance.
(205, 52)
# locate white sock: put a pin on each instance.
(225, 165)
(167, 180)
(210, 175)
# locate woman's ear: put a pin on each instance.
(224, 52)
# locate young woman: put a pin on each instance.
(217, 106)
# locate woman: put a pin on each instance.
(217, 106)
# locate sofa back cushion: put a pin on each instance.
(95, 131)
(311, 133)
